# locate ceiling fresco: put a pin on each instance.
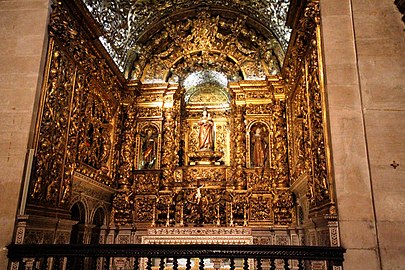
(128, 23)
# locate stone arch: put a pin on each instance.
(78, 211)
(86, 206)
(99, 219)
(102, 207)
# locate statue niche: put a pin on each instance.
(259, 150)
(205, 155)
(206, 110)
(148, 153)
(206, 132)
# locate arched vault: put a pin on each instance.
(134, 29)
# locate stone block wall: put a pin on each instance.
(22, 33)
(365, 66)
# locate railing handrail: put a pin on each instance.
(18, 251)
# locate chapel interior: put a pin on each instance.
(211, 122)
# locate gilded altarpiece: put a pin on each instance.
(246, 185)
(268, 132)
(310, 163)
(76, 127)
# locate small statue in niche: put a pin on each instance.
(148, 150)
(206, 133)
(259, 148)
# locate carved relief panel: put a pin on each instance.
(77, 118)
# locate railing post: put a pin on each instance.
(149, 264)
(107, 263)
(136, 263)
(286, 265)
(259, 264)
(272, 264)
(188, 263)
(245, 263)
(232, 264)
(300, 264)
(201, 264)
(175, 264)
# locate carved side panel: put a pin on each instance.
(53, 128)
(306, 99)
(75, 130)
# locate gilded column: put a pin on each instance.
(279, 153)
(240, 148)
(123, 201)
(169, 156)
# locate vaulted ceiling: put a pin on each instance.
(127, 24)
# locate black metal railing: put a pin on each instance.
(142, 256)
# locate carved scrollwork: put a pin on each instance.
(283, 211)
(279, 153)
(206, 174)
(261, 208)
(144, 208)
(258, 108)
(202, 43)
(122, 206)
(146, 183)
(149, 112)
(169, 156)
(259, 180)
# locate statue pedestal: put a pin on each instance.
(205, 157)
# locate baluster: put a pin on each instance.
(245, 263)
(175, 264)
(68, 263)
(300, 264)
(272, 264)
(93, 262)
(259, 264)
(329, 265)
(201, 264)
(107, 263)
(188, 264)
(232, 264)
(21, 264)
(81, 261)
(149, 264)
(56, 263)
(286, 266)
(44, 264)
(162, 264)
(136, 263)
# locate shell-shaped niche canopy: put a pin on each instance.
(206, 89)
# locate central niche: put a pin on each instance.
(206, 99)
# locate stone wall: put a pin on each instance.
(365, 66)
(23, 32)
